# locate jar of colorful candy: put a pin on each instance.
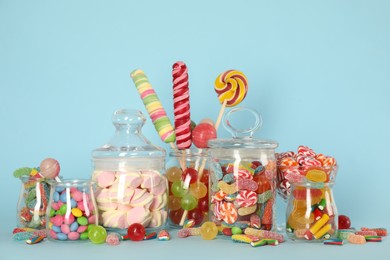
(242, 175)
(129, 173)
(311, 210)
(188, 180)
(71, 210)
(33, 201)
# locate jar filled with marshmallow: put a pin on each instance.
(129, 173)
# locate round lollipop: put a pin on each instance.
(231, 87)
(50, 168)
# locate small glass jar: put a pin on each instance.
(129, 173)
(242, 176)
(71, 210)
(188, 180)
(311, 213)
(32, 203)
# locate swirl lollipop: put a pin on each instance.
(181, 103)
(154, 107)
(231, 87)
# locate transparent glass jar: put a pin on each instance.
(32, 203)
(311, 213)
(129, 173)
(242, 176)
(188, 179)
(72, 208)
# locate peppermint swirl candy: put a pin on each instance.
(181, 105)
(232, 86)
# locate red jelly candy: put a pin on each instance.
(136, 232)
(344, 222)
(196, 214)
(203, 204)
(175, 216)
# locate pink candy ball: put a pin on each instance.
(57, 220)
(65, 229)
(49, 168)
(202, 133)
(69, 219)
(80, 205)
(82, 229)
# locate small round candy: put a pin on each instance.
(174, 174)
(83, 221)
(136, 232)
(344, 222)
(202, 133)
(196, 214)
(208, 230)
(188, 202)
(174, 203)
(175, 216)
(97, 234)
(77, 212)
(177, 189)
(190, 173)
(236, 230)
(198, 190)
(62, 210)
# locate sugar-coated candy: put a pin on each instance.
(373, 238)
(113, 239)
(242, 238)
(334, 241)
(366, 233)
(255, 221)
(263, 242)
(247, 211)
(163, 235)
(344, 233)
(264, 234)
(35, 239)
(356, 239)
(379, 231)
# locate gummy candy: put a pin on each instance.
(208, 230)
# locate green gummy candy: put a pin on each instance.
(25, 171)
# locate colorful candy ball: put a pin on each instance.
(344, 222)
(49, 168)
(136, 232)
(202, 133)
(97, 234)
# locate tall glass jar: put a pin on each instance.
(311, 213)
(188, 179)
(242, 176)
(71, 210)
(129, 173)
(32, 203)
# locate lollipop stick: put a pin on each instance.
(183, 218)
(220, 114)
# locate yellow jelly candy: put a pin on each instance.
(316, 175)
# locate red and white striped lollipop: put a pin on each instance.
(181, 105)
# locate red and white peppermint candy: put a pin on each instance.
(219, 196)
(243, 173)
(304, 150)
(310, 161)
(246, 198)
(285, 188)
(285, 155)
(292, 170)
(329, 161)
(217, 210)
(288, 162)
(229, 212)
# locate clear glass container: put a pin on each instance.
(311, 213)
(242, 175)
(188, 179)
(129, 173)
(32, 203)
(72, 208)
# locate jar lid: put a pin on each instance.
(128, 140)
(242, 137)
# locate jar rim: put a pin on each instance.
(72, 182)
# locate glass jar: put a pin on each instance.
(71, 210)
(32, 203)
(242, 175)
(311, 213)
(188, 180)
(129, 173)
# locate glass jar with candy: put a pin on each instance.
(311, 213)
(242, 175)
(129, 173)
(72, 209)
(188, 179)
(34, 193)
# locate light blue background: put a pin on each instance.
(318, 72)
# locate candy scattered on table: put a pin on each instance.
(344, 222)
(135, 232)
(96, 234)
(113, 239)
(163, 235)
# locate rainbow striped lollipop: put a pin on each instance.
(154, 107)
